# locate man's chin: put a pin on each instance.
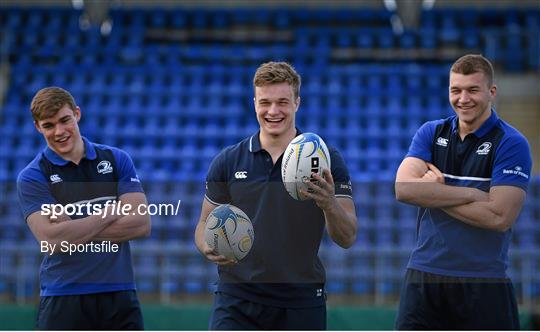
(273, 133)
(63, 149)
(274, 130)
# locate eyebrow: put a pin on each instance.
(454, 87)
(48, 123)
(280, 99)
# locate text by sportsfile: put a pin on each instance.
(72, 248)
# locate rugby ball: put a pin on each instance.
(228, 230)
(306, 154)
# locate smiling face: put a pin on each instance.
(471, 97)
(61, 132)
(276, 108)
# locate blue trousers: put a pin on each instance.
(434, 302)
(232, 313)
(100, 311)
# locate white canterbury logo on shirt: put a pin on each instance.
(55, 178)
(442, 141)
(241, 175)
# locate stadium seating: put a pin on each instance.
(174, 103)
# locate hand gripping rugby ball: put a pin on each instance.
(306, 154)
(229, 232)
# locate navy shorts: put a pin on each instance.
(100, 311)
(233, 313)
(434, 302)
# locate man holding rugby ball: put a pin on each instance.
(280, 283)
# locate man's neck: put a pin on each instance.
(465, 129)
(76, 154)
(276, 145)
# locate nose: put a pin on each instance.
(464, 96)
(58, 129)
(273, 108)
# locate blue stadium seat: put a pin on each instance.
(174, 105)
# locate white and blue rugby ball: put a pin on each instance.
(228, 230)
(306, 154)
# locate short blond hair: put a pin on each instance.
(48, 101)
(277, 72)
(474, 63)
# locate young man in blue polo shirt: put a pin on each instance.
(86, 276)
(468, 174)
(280, 283)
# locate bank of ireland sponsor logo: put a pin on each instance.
(442, 142)
(518, 170)
(104, 167)
(484, 149)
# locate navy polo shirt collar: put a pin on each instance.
(53, 157)
(255, 141)
(484, 128)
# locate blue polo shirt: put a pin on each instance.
(282, 268)
(495, 154)
(104, 173)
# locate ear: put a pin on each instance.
(297, 102)
(77, 113)
(38, 128)
(493, 91)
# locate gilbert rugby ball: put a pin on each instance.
(306, 154)
(228, 230)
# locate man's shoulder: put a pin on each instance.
(334, 152)
(32, 171)
(105, 147)
(236, 149)
(430, 129)
(513, 142)
(118, 153)
(438, 122)
(510, 133)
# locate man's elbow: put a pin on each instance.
(347, 243)
(502, 224)
(402, 194)
(147, 230)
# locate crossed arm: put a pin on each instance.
(422, 184)
(95, 227)
(130, 226)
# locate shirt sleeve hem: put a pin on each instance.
(419, 156)
(523, 186)
(213, 202)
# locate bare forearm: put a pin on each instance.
(479, 214)
(199, 236)
(76, 231)
(125, 229)
(436, 195)
(341, 225)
